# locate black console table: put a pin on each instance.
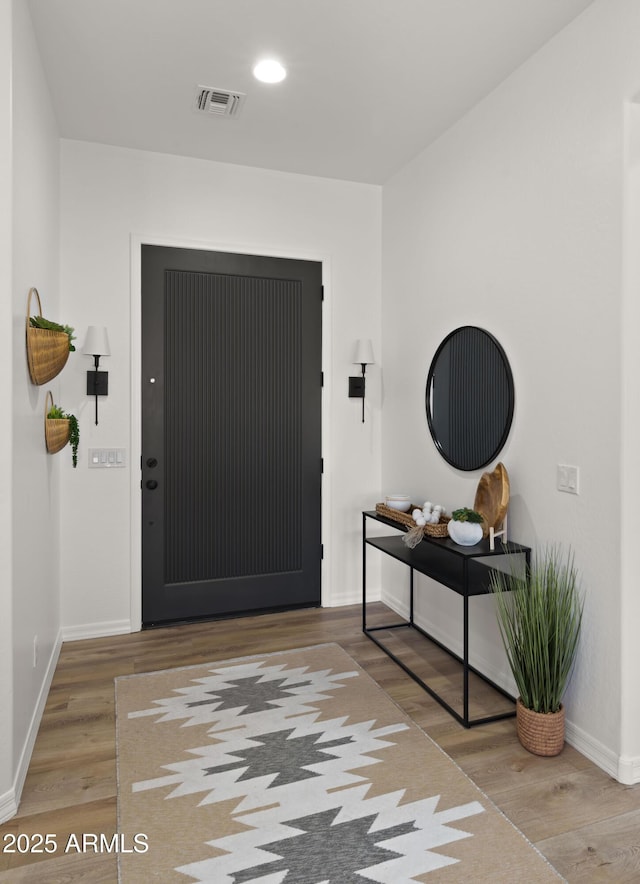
(465, 570)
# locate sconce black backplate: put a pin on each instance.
(97, 383)
(356, 387)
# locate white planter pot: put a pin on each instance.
(465, 533)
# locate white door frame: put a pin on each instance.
(135, 445)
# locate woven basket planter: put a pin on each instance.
(47, 351)
(56, 431)
(541, 733)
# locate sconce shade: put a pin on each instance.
(96, 342)
(364, 352)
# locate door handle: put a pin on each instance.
(152, 484)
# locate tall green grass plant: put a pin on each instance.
(540, 616)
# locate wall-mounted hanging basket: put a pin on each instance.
(47, 351)
(56, 431)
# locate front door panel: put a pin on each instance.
(231, 465)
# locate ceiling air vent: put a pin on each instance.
(220, 102)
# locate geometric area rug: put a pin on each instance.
(296, 767)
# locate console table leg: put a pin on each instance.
(364, 573)
(466, 661)
(411, 596)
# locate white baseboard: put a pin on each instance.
(95, 630)
(8, 805)
(595, 751)
(340, 601)
(350, 598)
(10, 801)
(397, 604)
(628, 771)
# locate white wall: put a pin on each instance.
(7, 794)
(513, 221)
(630, 436)
(31, 487)
(110, 196)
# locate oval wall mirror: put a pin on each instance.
(470, 398)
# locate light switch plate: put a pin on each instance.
(107, 458)
(568, 478)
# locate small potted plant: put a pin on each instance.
(60, 428)
(540, 616)
(465, 527)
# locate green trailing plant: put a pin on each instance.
(41, 322)
(74, 438)
(540, 616)
(464, 514)
(56, 413)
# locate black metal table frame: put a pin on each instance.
(469, 553)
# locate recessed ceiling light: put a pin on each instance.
(269, 71)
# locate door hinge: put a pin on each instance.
(321, 465)
(322, 550)
(322, 293)
(322, 379)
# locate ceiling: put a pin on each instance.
(370, 82)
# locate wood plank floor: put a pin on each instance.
(585, 823)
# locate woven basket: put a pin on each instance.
(56, 431)
(541, 733)
(439, 530)
(47, 351)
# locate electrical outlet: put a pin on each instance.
(568, 478)
(35, 651)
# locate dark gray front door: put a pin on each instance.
(231, 433)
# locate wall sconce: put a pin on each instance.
(363, 357)
(96, 344)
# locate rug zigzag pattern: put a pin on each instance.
(270, 752)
